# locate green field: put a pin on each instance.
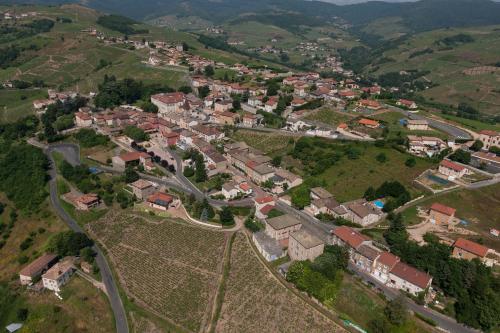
(480, 207)
(446, 66)
(329, 117)
(391, 120)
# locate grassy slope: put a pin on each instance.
(481, 208)
(446, 66)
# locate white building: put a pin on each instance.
(58, 275)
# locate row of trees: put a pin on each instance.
(473, 285)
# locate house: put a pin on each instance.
(296, 102)
(489, 138)
(142, 189)
(362, 213)
(346, 236)
(226, 118)
(369, 104)
(270, 248)
(250, 120)
(383, 265)
(87, 201)
(36, 268)
(452, 169)
(207, 133)
(263, 212)
(322, 206)
(223, 106)
(160, 201)
(489, 161)
(304, 246)
(280, 227)
(169, 102)
(255, 101)
(41, 104)
(441, 215)
(417, 125)
(125, 160)
(230, 190)
(259, 173)
(348, 94)
(83, 119)
(320, 193)
(468, 250)
(58, 275)
(409, 279)
(291, 179)
(271, 104)
(407, 104)
(170, 139)
(365, 257)
(425, 145)
(370, 123)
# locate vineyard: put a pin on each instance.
(171, 268)
(256, 302)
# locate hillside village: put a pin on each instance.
(179, 157)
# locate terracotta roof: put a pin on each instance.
(266, 209)
(350, 236)
(160, 198)
(388, 259)
(451, 165)
(133, 156)
(443, 209)
(38, 265)
(170, 98)
(83, 116)
(412, 275)
(472, 247)
(343, 126)
(265, 199)
(245, 186)
(489, 133)
(406, 102)
(370, 103)
(88, 198)
(368, 122)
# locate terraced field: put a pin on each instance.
(256, 302)
(170, 268)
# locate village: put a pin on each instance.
(188, 136)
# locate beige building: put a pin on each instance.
(58, 275)
(417, 125)
(468, 250)
(365, 257)
(142, 189)
(36, 268)
(409, 279)
(452, 170)
(441, 215)
(489, 139)
(280, 227)
(304, 246)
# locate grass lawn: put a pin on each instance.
(329, 117)
(471, 124)
(349, 179)
(268, 143)
(15, 103)
(480, 207)
(392, 119)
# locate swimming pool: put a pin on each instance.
(379, 204)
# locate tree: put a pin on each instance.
(131, 175)
(200, 172)
(149, 107)
(396, 311)
(411, 162)
(276, 161)
(461, 156)
(226, 216)
(87, 254)
(370, 194)
(203, 91)
(188, 172)
(209, 71)
(477, 145)
(135, 133)
(382, 158)
(22, 314)
(379, 325)
(334, 258)
(69, 243)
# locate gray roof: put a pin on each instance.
(268, 244)
(321, 192)
(283, 221)
(368, 252)
(305, 239)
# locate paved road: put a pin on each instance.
(442, 321)
(72, 155)
(454, 131)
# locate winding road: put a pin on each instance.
(181, 183)
(71, 154)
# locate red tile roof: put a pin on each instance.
(170, 98)
(489, 133)
(369, 103)
(388, 259)
(451, 165)
(443, 209)
(350, 236)
(133, 156)
(87, 199)
(160, 198)
(37, 265)
(265, 199)
(266, 209)
(412, 275)
(368, 122)
(472, 247)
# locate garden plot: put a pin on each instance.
(170, 268)
(255, 301)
